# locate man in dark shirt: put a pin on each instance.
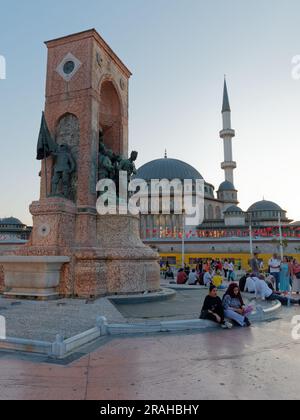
(255, 264)
(213, 309)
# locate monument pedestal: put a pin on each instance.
(54, 264)
(121, 264)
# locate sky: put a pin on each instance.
(178, 52)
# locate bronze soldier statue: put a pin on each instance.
(63, 168)
(128, 165)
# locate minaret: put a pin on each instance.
(227, 134)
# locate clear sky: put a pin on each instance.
(178, 51)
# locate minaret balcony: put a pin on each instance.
(228, 165)
(227, 133)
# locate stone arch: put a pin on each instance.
(111, 115)
(67, 132)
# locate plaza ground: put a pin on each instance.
(257, 363)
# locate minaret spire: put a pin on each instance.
(226, 105)
(227, 134)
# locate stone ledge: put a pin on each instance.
(162, 295)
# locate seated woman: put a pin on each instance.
(181, 277)
(213, 310)
(234, 307)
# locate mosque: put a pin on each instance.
(226, 230)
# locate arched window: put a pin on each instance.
(210, 212)
(218, 213)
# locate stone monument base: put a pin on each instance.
(32, 277)
(51, 265)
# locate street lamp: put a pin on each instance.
(280, 236)
(183, 238)
(250, 233)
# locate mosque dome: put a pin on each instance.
(11, 221)
(227, 186)
(264, 206)
(168, 169)
(234, 209)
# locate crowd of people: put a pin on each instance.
(205, 273)
(280, 279)
(284, 274)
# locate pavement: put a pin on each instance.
(35, 320)
(261, 362)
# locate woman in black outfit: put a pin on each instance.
(213, 309)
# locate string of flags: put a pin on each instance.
(269, 232)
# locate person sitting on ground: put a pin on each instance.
(271, 281)
(264, 292)
(243, 281)
(218, 279)
(250, 284)
(169, 274)
(207, 279)
(187, 269)
(181, 277)
(193, 278)
(234, 307)
(213, 310)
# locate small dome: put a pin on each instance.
(265, 206)
(168, 169)
(234, 209)
(11, 221)
(227, 186)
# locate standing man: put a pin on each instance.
(255, 264)
(275, 268)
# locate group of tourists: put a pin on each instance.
(285, 273)
(206, 272)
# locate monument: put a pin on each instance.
(72, 251)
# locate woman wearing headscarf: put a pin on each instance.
(234, 307)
